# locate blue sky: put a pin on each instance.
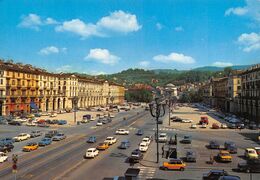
(107, 36)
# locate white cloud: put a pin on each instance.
(78, 27)
(52, 50)
(102, 55)
(34, 21)
(236, 11)
(178, 28)
(174, 57)
(94, 72)
(118, 21)
(250, 42)
(144, 63)
(222, 64)
(64, 68)
(251, 9)
(159, 26)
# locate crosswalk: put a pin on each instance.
(146, 172)
(166, 129)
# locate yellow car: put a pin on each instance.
(174, 164)
(224, 156)
(30, 116)
(251, 153)
(30, 147)
(102, 146)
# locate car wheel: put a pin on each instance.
(181, 169)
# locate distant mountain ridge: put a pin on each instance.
(215, 68)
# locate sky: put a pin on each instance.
(108, 36)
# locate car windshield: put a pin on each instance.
(90, 151)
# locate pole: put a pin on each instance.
(75, 115)
(169, 113)
(157, 134)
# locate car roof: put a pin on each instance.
(251, 149)
(92, 149)
(216, 170)
(257, 148)
(222, 151)
(110, 137)
(143, 143)
(163, 134)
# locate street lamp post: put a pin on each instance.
(157, 110)
(75, 102)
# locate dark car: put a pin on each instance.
(250, 166)
(186, 139)
(7, 140)
(124, 144)
(45, 125)
(35, 134)
(214, 174)
(62, 122)
(172, 141)
(229, 177)
(191, 156)
(230, 146)
(252, 126)
(214, 144)
(140, 132)
(232, 126)
(240, 126)
(136, 155)
(15, 123)
(45, 142)
(6, 147)
(92, 139)
(50, 134)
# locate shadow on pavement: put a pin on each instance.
(250, 136)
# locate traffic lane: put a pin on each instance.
(112, 163)
(41, 156)
(61, 162)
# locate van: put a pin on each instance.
(204, 120)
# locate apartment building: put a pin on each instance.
(249, 104)
(24, 89)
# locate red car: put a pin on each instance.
(204, 120)
(215, 126)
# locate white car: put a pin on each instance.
(91, 153)
(31, 124)
(92, 118)
(122, 132)
(186, 120)
(53, 114)
(223, 126)
(112, 115)
(203, 125)
(143, 147)
(193, 126)
(146, 140)
(110, 140)
(3, 157)
(162, 137)
(22, 137)
(99, 123)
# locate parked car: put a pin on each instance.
(251, 153)
(257, 149)
(103, 146)
(6, 147)
(99, 123)
(214, 174)
(3, 157)
(45, 125)
(30, 147)
(110, 140)
(187, 121)
(53, 114)
(91, 153)
(143, 147)
(204, 120)
(193, 126)
(45, 141)
(232, 126)
(124, 144)
(35, 134)
(214, 144)
(51, 133)
(230, 147)
(224, 156)
(191, 156)
(137, 155)
(122, 132)
(22, 137)
(15, 123)
(215, 126)
(203, 126)
(146, 140)
(162, 137)
(7, 140)
(139, 132)
(250, 166)
(186, 139)
(58, 137)
(62, 122)
(174, 164)
(92, 139)
(223, 126)
(230, 177)
(253, 126)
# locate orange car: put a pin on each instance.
(102, 146)
(30, 147)
(174, 164)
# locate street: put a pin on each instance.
(64, 160)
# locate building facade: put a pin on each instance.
(24, 89)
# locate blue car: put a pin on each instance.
(7, 140)
(45, 142)
(92, 139)
(140, 132)
(62, 122)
